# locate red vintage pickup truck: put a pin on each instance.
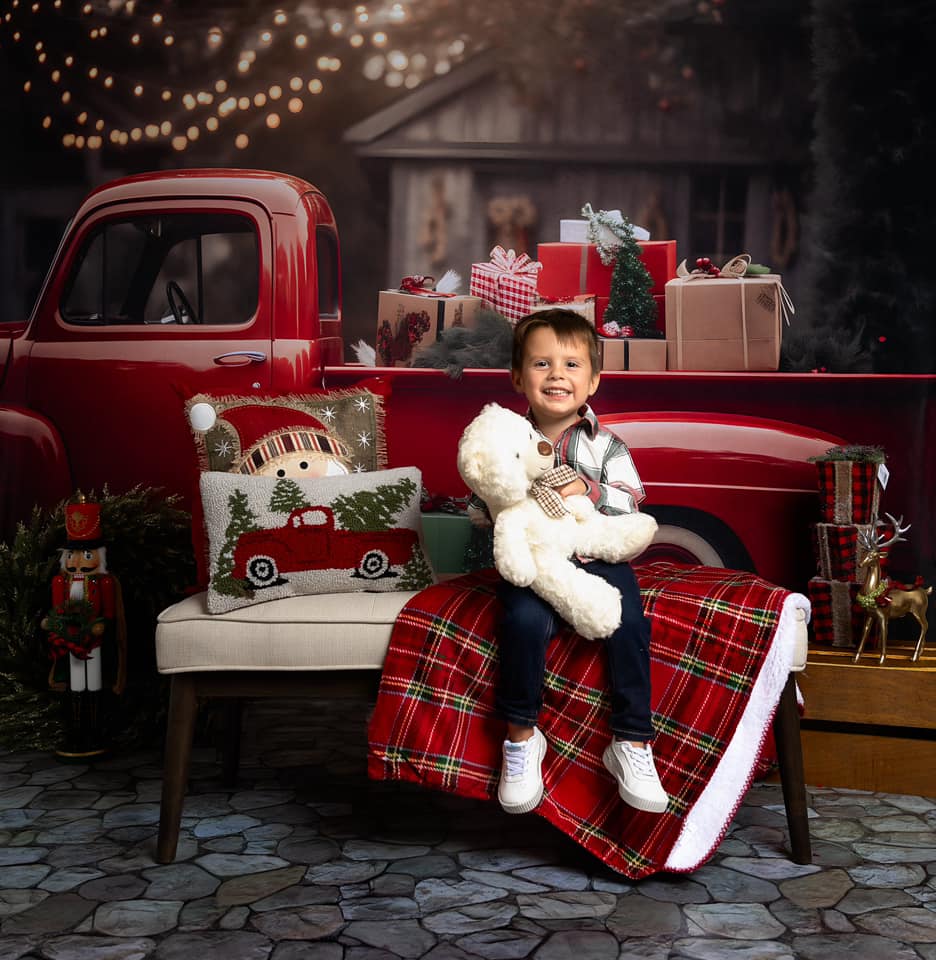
(171, 283)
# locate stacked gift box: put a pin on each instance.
(725, 319)
(849, 494)
(572, 268)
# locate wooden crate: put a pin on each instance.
(868, 726)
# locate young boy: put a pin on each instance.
(555, 365)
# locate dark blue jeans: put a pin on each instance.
(527, 625)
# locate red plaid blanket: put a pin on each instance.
(721, 649)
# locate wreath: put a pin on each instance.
(71, 627)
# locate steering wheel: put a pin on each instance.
(179, 304)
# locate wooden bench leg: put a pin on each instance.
(233, 719)
(786, 729)
(183, 707)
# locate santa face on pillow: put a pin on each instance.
(303, 448)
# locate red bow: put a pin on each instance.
(421, 286)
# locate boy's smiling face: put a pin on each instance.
(556, 378)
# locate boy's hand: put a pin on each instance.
(576, 488)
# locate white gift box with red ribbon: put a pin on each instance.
(507, 283)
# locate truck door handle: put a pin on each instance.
(237, 358)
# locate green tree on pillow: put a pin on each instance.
(375, 509)
(287, 496)
(417, 573)
(242, 520)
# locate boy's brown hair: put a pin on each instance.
(565, 324)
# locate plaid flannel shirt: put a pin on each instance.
(600, 459)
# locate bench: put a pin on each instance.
(333, 646)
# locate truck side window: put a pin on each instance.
(166, 269)
(326, 254)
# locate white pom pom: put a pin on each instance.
(202, 416)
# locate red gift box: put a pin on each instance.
(570, 268)
(508, 283)
(849, 491)
(836, 615)
(837, 549)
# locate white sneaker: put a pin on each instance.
(521, 782)
(638, 783)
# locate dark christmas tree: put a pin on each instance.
(287, 496)
(375, 509)
(870, 263)
(630, 304)
(242, 520)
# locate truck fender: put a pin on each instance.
(693, 536)
(34, 468)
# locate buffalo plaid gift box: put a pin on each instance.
(507, 283)
(838, 550)
(849, 491)
(836, 616)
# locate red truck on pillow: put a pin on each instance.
(173, 283)
(309, 541)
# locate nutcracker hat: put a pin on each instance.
(269, 431)
(83, 526)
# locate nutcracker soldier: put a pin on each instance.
(87, 630)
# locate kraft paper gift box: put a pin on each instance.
(407, 323)
(632, 353)
(723, 323)
(508, 283)
(836, 616)
(583, 303)
(837, 549)
(570, 268)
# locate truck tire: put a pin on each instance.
(262, 570)
(374, 564)
(692, 536)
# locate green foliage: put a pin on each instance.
(242, 521)
(287, 496)
(854, 452)
(869, 271)
(375, 509)
(417, 572)
(149, 551)
(630, 303)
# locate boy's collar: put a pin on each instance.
(587, 417)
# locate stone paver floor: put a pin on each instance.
(307, 859)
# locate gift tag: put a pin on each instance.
(883, 475)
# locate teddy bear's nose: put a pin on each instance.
(544, 448)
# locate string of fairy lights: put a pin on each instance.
(87, 95)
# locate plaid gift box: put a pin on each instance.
(837, 550)
(836, 616)
(849, 491)
(507, 283)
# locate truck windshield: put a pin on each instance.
(166, 269)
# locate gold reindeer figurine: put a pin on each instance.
(880, 601)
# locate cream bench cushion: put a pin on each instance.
(331, 631)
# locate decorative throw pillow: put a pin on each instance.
(272, 537)
(293, 435)
(308, 435)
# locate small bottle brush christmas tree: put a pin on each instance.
(631, 304)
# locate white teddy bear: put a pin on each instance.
(502, 458)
